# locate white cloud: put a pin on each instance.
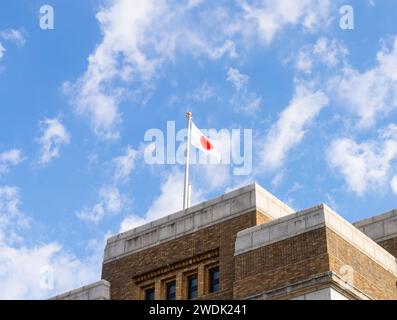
(53, 137)
(238, 79)
(247, 102)
(22, 271)
(291, 126)
(371, 94)
(204, 180)
(10, 35)
(13, 35)
(194, 3)
(170, 198)
(239, 183)
(243, 99)
(278, 179)
(393, 184)
(110, 202)
(10, 158)
(137, 39)
(2, 51)
(169, 201)
(123, 26)
(390, 132)
(327, 52)
(21, 266)
(124, 165)
(203, 93)
(364, 166)
(131, 222)
(140, 38)
(11, 219)
(304, 62)
(269, 17)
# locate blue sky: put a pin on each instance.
(76, 102)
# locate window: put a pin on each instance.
(149, 294)
(192, 286)
(171, 290)
(214, 280)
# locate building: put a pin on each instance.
(247, 244)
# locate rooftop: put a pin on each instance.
(203, 215)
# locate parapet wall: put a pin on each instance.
(96, 291)
(228, 206)
(307, 244)
(381, 227)
(311, 219)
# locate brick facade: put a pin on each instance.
(366, 275)
(124, 273)
(262, 248)
(281, 263)
(390, 245)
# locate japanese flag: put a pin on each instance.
(204, 144)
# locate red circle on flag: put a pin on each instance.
(206, 144)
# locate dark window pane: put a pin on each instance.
(192, 286)
(171, 290)
(149, 294)
(214, 280)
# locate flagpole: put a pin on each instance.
(186, 183)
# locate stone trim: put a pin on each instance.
(241, 201)
(381, 227)
(317, 282)
(96, 291)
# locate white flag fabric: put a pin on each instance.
(202, 143)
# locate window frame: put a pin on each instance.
(210, 279)
(168, 284)
(145, 291)
(188, 287)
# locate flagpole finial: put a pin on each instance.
(189, 115)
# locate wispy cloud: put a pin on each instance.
(170, 198)
(10, 158)
(393, 184)
(14, 36)
(11, 35)
(203, 93)
(2, 51)
(125, 164)
(364, 166)
(267, 18)
(53, 136)
(243, 100)
(291, 126)
(137, 40)
(167, 202)
(330, 53)
(22, 265)
(238, 79)
(372, 94)
(111, 202)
